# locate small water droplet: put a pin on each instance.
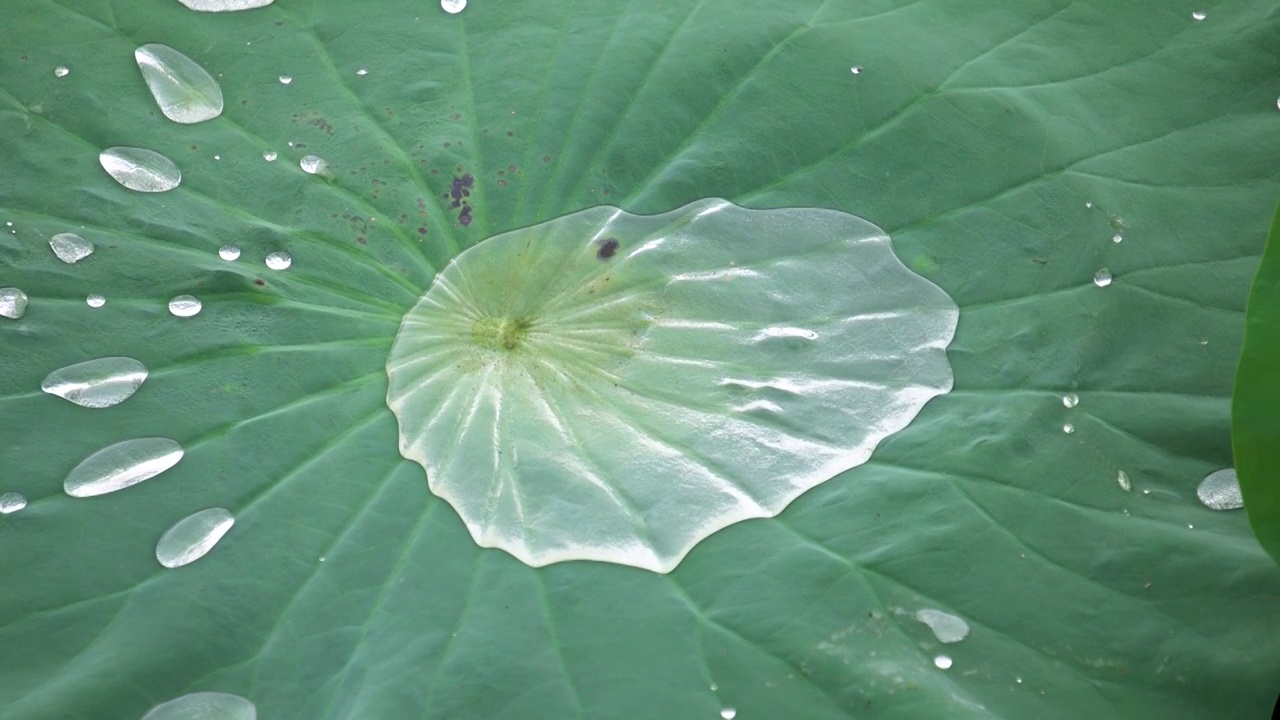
(714, 687)
(95, 300)
(947, 628)
(1102, 278)
(61, 71)
(13, 303)
(362, 72)
(192, 537)
(1220, 490)
(1122, 479)
(286, 79)
(269, 155)
(728, 713)
(943, 662)
(453, 7)
(1088, 205)
(204, 705)
(97, 383)
(70, 248)
(185, 92)
(122, 465)
(1068, 428)
(1117, 238)
(140, 169)
(1198, 15)
(1018, 680)
(279, 260)
(230, 253)
(217, 157)
(185, 306)
(1070, 400)
(12, 502)
(856, 69)
(313, 164)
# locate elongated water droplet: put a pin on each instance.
(313, 164)
(453, 7)
(204, 705)
(279, 261)
(1122, 479)
(1070, 400)
(98, 383)
(286, 79)
(1220, 490)
(362, 72)
(12, 502)
(192, 537)
(230, 253)
(119, 466)
(1102, 278)
(13, 303)
(942, 662)
(140, 169)
(947, 628)
(61, 71)
(1198, 15)
(184, 91)
(95, 300)
(70, 248)
(269, 155)
(185, 306)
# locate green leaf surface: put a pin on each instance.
(1255, 422)
(1000, 144)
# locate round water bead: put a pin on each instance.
(279, 260)
(616, 387)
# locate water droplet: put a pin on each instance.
(217, 157)
(1220, 490)
(313, 164)
(1198, 15)
(61, 71)
(185, 306)
(943, 662)
(1122, 479)
(1068, 428)
(12, 502)
(70, 248)
(728, 713)
(1018, 680)
(1117, 238)
(119, 466)
(362, 72)
(286, 79)
(453, 7)
(279, 260)
(1102, 278)
(856, 69)
(184, 91)
(229, 253)
(13, 303)
(1088, 205)
(192, 537)
(140, 169)
(1070, 400)
(98, 383)
(714, 687)
(204, 705)
(95, 300)
(947, 628)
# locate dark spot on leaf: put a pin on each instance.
(510, 134)
(511, 168)
(448, 144)
(259, 282)
(422, 230)
(546, 158)
(465, 216)
(361, 240)
(608, 247)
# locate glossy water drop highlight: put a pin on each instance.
(185, 92)
(204, 705)
(192, 537)
(728, 713)
(140, 169)
(122, 465)
(637, 383)
(230, 253)
(70, 248)
(1220, 490)
(279, 261)
(12, 502)
(453, 7)
(1070, 400)
(95, 300)
(13, 303)
(1102, 278)
(1122, 479)
(942, 662)
(947, 628)
(185, 306)
(269, 155)
(286, 79)
(61, 71)
(313, 165)
(98, 383)
(1198, 15)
